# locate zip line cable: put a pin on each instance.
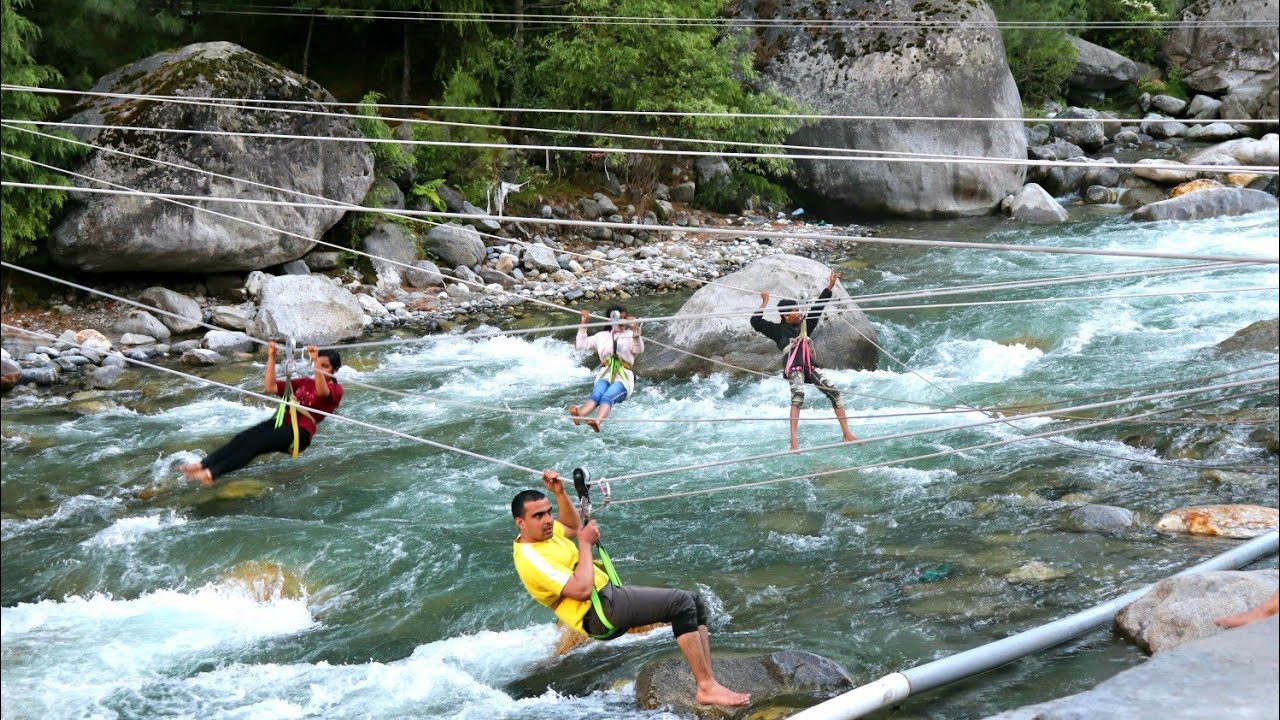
(902, 157)
(261, 396)
(929, 456)
(995, 247)
(931, 431)
(621, 113)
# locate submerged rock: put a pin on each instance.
(1230, 521)
(1101, 518)
(1182, 608)
(1035, 573)
(265, 581)
(1262, 336)
(1207, 204)
(787, 679)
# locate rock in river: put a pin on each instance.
(308, 308)
(1231, 521)
(1207, 204)
(1183, 608)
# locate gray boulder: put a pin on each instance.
(392, 247)
(455, 244)
(1229, 675)
(1203, 107)
(105, 377)
(1089, 135)
(200, 356)
(491, 276)
(1098, 68)
(226, 342)
(1216, 56)
(1208, 203)
(540, 257)
(232, 317)
(1246, 151)
(1059, 149)
(141, 322)
(319, 261)
(782, 679)
(10, 373)
(295, 267)
(711, 167)
(1032, 204)
(424, 274)
(1168, 104)
(1211, 132)
(1165, 172)
(187, 309)
(42, 376)
(1101, 518)
(308, 308)
(684, 192)
(1163, 128)
(1038, 135)
(838, 343)
(1262, 336)
(956, 68)
(1183, 608)
(384, 194)
(607, 206)
(1257, 97)
(107, 233)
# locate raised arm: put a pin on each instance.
(758, 323)
(637, 342)
(567, 513)
(584, 340)
(815, 313)
(322, 383)
(270, 384)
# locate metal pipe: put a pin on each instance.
(895, 687)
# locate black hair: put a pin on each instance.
(335, 359)
(785, 303)
(525, 496)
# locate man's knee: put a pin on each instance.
(700, 606)
(685, 615)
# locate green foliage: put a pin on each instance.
(1040, 60)
(429, 191)
(1136, 43)
(733, 193)
(470, 170)
(96, 36)
(390, 159)
(26, 214)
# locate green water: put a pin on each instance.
(116, 607)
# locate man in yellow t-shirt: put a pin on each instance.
(560, 574)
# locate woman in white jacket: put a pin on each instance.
(617, 349)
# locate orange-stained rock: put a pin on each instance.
(1193, 186)
(266, 581)
(1240, 179)
(1230, 521)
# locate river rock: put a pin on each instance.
(392, 247)
(1215, 56)
(1163, 128)
(319, 261)
(185, 345)
(493, 277)
(1168, 105)
(1035, 573)
(1059, 149)
(541, 258)
(254, 282)
(1257, 97)
(93, 340)
(1164, 172)
(1262, 336)
(135, 339)
(226, 342)
(232, 317)
(1098, 68)
(1207, 204)
(141, 322)
(838, 343)
(955, 68)
(683, 192)
(10, 373)
(782, 679)
(1203, 107)
(295, 267)
(106, 233)
(424, 274)
(114, 360)
(200, 356)
(186, 309)
(371, 306)
(309, 309)
(1194, 186)
(1088, 135)
(1246, 151)
(1032, 204)
(43, 376)
(104, 378)
(1230, 521)
(455, 244)
(1182, 608)
(1229, 675)
(1101, 518)
(1211, 132)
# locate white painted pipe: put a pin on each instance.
(895, 687)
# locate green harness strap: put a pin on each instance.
(607, 564)
(285, 406)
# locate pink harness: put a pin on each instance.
(800, 357)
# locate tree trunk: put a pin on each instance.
(306, 48)
(517, 61)
(404, 71)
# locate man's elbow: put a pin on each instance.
(576, 593)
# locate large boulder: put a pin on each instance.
(1229, 521)
(1088, 135)
(1098, 68)
(141, 322)
(838, 342)
(1208, 203)
(117, 233)
(308, 308)
(954, 68)
(1229, 675)
(786, 679)
(1183, 608)
(1262, 336)
(392, 247)
(186, 309)
(1246, 151)
(10, 373)
(455, 245)
(1032, 204)
(1216, 53)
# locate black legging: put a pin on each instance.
(258, 440)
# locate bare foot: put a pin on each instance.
(850, 438)
(573, 412)
(795, 445)
(1239, 619)
(721, 695)
(594, 424)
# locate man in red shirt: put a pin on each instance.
(321, 392)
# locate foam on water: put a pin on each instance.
(127, 531)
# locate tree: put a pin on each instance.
(1041, 59)
(97, 36)
(25, 214)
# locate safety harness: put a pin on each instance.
(288, 405)
(582, 484)
(615, 368)
(801, 355)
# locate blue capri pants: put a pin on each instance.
(608, 394)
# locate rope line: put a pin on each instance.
(896, 157)
(929, 456)
(992, 247)
(592, 111)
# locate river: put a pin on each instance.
(400, 599)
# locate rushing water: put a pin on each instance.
(116, 607)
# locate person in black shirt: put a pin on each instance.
(793, 338)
